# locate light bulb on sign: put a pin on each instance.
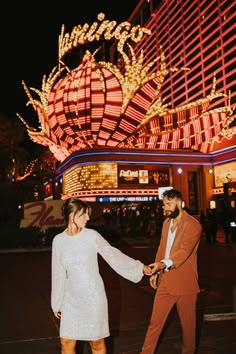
(179, 170)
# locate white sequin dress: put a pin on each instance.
(77, 286)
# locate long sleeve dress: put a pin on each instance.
(77, 287)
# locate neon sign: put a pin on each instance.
(86, 33)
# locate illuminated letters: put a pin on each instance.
(86, 33)
(129, 174)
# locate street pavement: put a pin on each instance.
(27, 325)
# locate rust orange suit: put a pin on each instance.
(179, 285)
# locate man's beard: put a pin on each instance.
(174, 213)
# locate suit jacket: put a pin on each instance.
(182, 278)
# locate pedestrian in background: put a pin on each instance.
(225, 220)
(211, 226)
(202, 220)
(175, 274)
(78, 296)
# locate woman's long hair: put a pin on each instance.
(74, 205)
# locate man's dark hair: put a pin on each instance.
(171, 194)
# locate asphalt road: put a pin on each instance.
(27, 325)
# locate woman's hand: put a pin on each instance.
(57, 314)
(147, 270)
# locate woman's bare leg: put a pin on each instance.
(98, 346)
(68, 346)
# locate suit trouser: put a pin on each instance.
(186, 308)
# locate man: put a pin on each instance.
(175, 274)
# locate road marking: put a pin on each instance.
(220, 316)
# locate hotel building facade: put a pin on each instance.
(198, 35)
(183, 137)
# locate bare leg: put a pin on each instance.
(98, 346)
(68, 346)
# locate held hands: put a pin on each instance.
(157, 266)
(153, 268)
(147, 270)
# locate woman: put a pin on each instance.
(78, 295)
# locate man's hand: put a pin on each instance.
(147, 270)
(157, 266)
(153, 281)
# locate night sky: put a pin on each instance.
(29, 42)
